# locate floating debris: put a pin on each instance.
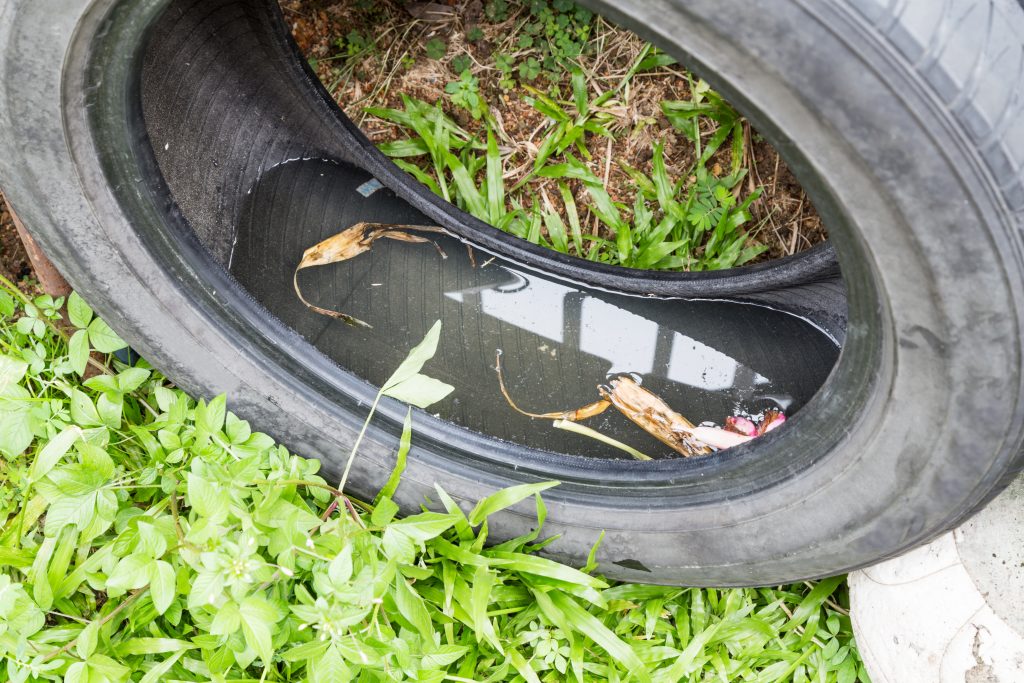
(652, 414)
(350, 243)
(745, 426)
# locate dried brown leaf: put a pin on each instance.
(650, 412)
(583, 413)
(350, 243)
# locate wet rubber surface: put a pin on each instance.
(707, 359)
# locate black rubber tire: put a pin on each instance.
(906, 127)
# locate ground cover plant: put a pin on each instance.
(147, 536)
(559, 127)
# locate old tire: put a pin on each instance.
(907, 130)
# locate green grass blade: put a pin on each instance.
(573, 216)
(556, 232)
(495, 181)
(469, 193)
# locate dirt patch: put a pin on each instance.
(370, 53)
(14, 263)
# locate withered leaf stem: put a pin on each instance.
(350, 243)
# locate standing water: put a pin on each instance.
(559, 341)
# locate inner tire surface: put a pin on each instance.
(907, 131)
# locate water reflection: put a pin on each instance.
(707, 359)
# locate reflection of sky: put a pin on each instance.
(626, 340)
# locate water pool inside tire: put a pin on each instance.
(559, 340)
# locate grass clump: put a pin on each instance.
(695, 223)
(605, 148)
(146, 536)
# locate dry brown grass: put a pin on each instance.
(784, 219)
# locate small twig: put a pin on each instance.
(177, 519)
(117, 610)
(799, 629)
(314, 484)
(796, 227)
(330, 510)
(775, 173)
(608, 162)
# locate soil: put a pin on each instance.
(14, 263)
(397, 63)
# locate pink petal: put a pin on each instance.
(719, 438)
(741, 425)
(772, 420)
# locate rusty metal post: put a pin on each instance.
(50, 279)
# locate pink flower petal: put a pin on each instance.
(772, 419)
(741, 425)
(719, 438)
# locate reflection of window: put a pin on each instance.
(624, 339)
(627, 341)
(699, 365)
(534, 305)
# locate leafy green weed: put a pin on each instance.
(146, 536)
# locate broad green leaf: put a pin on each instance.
(130, 379)
(522, 666)
(7, 305)
(161, 586)
(419, 390)
(468, 191)
(556, 232)
(227, 619)
(383, 512)
(79, 312)
(424, 526)
(78, 351)
(404, 148)
(310, 650)
(410, 605)
(259, 619)
(53, 451)
(152, 646)
(812, 603)
(104, 339)
(83, 410)
(206, 498)
(12, 370)
(495, 181)
(210, 416)
(86, 643)
(42, 592)
(339, 570)
(579, 91)
(77, 673)
(540, 566)
(109, 407)
(552, 139)
(480, 600)
(19, 615)
(417, 357)
(158, 672)
(329, 667)
(17, 421)
(130, 573)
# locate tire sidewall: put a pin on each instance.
(930, 254)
